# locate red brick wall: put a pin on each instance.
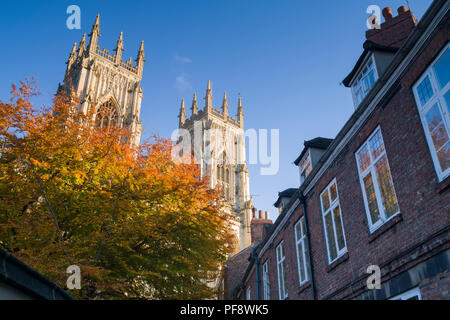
(424, 203)
(436, 288)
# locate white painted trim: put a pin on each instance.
(280, 261)
(302, 240)
(266, 280)
(408, 295)
(333, 205)
(371, 170)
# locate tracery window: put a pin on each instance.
(106, 115)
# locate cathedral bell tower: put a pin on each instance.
(227, 167)
(106, 82)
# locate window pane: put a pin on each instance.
(444, 157)
(425, 91)
(433, 117)
(303, 176)
(376, 145)
(305, 162)
(301, 262)
(364, 158)
(437, 129)
(298, 231)
(333, 192)
(387, 189)
(281, 280)
(371, 198)
(447, 100)
(284, 279)
(442, 69)
(439, 136)
(366, 84)
(339, 229)
(308, 168)
(330, 236)
(371, 78)
(305, 247)
(359, 96)
(325, 201)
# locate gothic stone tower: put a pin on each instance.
(106, 82)
(227, 167)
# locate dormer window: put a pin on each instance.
(310, 155)
(305, 167)
(364, 81)
(370, 66)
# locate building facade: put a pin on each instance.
(217, 143)
(377, 199)
(106, 82)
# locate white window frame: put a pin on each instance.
(266, 282)
(383, 219)
(248, 295)
(306, 159)
(408, 295)
(301, 239)
(333, 204)
(281, 270)
(437, 98)
(360, 70)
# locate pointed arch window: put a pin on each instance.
(106, 115)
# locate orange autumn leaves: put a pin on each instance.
(137, 224)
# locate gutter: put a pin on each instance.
(255, 257)
(302, 199)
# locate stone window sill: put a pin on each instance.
(385, 227)
(304, 286)
(337, 262)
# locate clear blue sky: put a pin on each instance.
(286, 58)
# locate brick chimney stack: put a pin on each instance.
(260, 225)
(394, 30)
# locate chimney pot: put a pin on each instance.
(260, 214)
(266, 216)
(387, 13)
(401, 10)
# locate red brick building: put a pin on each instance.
(376, 196)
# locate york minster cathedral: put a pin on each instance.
(112, 86)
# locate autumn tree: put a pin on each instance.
(137, 224)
